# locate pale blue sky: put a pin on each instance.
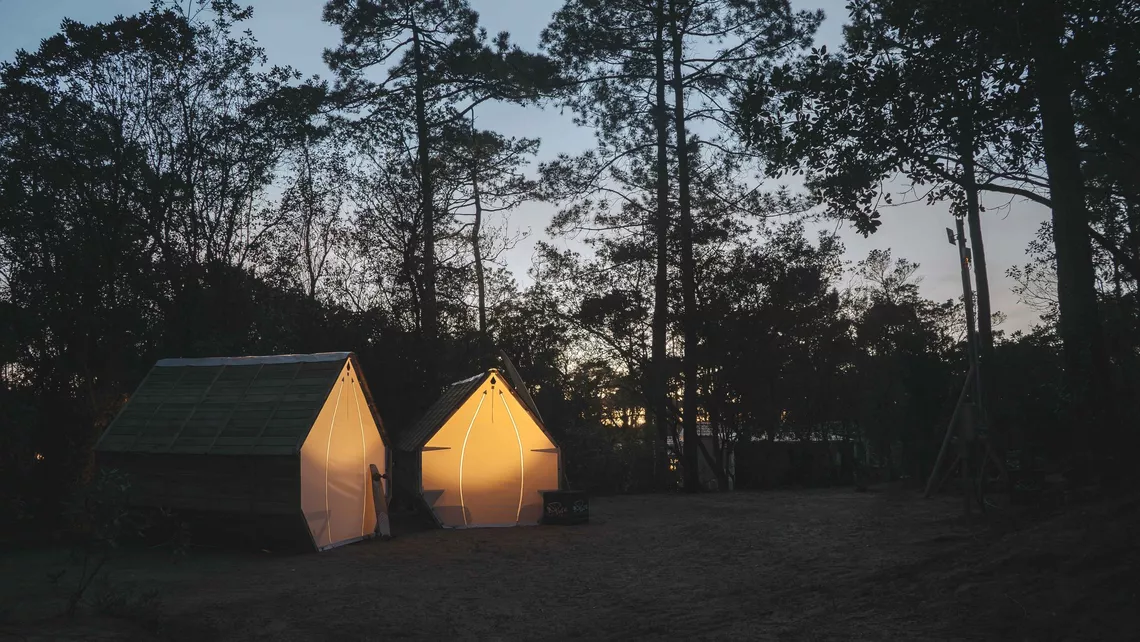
(292, 33)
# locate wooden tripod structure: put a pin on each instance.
(968, 422)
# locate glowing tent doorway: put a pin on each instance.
(480, 456)
(283, 442)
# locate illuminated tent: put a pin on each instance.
(283, 441)
(479, 456)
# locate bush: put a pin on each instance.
(604, 461)
(101, 521)
(126, 601)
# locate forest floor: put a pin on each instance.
(782, 565)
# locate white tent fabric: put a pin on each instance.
(336, 488)
(489, 463)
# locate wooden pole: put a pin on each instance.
(980, 484)
(972, 349)
(380, 502)
(967, 493)
(970, 444)
(974, 353)
(949, 431)
(968, 296)
(949, 472)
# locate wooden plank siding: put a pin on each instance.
(254, 485)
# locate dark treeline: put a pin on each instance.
(165, 190)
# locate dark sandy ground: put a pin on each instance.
(787, 565)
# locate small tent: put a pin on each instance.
(287, 440)
(480, 456)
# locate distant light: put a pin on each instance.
(39, 456)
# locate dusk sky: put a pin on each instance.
(292, 33)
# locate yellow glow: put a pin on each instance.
(479, 466)
(522, 460)
(618, 417)
(39, 456)
(336, 485)
(363, 453)
(462, 452)
(328, 450)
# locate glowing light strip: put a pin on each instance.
(363, 460)
(522, 464)
(462, 452)
(328, 445)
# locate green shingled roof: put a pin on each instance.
(226, 406)
(423, 430)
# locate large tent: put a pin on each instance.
(288, 439)
(480, 456)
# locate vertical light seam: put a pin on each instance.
(328, 445)
(463, 453)
(363, 459)
(522, 461)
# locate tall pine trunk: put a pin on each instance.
(660, 375)
(1082, 343)
(429, 319)
(477, 253)
(688, 265)
(985, 334)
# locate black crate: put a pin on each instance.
(562, 507)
